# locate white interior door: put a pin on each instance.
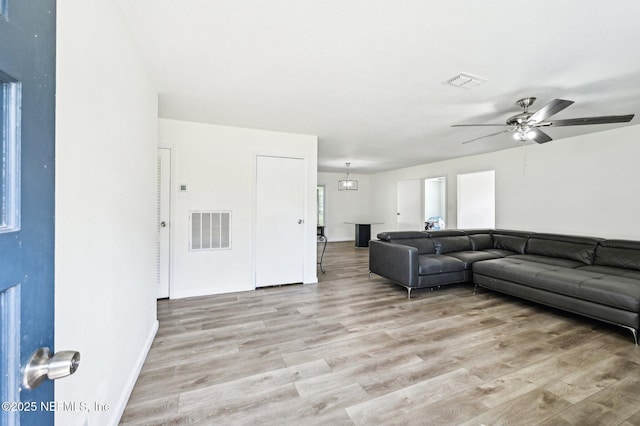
(279, 220)
(410, 205)
(164, 223)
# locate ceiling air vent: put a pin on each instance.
(465, 81)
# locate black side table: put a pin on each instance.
(363, 232)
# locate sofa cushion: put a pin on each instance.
(424, 245)
(417, 239)
(481, 241)
(500, 253)
(554, 261)
(610, 270)
(619, 254)
(445, 233)
(452, 244)
(571, 304)
(514, 241)
(471, 257)
(513, 268)
(401, 235)
(615, 291)
(581, 249)
(449, 240)
(438, 263)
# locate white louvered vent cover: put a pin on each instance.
(465, 81)
(210, 230)
(158, 261)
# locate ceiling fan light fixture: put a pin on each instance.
(525, 125)
(524, 133)
(521, 136)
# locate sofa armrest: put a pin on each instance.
(395, 262)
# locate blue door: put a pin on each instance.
(27, 118)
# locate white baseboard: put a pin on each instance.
(197, 292)
(118, 410)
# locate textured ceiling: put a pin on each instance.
(366, 76)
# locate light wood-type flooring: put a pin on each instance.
(350, 350)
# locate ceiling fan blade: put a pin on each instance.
(538, 136)
(476, 125)
(553, 107)
(486, 136)
(593, 120)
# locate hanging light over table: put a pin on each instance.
(347, 184)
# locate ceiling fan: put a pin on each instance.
(526, 126)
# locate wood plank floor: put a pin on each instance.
(350, 350)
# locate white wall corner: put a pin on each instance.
(121, 404)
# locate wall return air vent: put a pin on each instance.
(210, 230)
(465, 81)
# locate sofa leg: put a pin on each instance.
(633, 331)
(408, 292)
(475, 288)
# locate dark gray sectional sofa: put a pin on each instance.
(594, 277)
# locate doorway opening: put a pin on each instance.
(435, 203)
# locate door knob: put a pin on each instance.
(300, 221)
(163, 224)
(42, 365)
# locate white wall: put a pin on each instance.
(587, 185)
(345, 206)
(218, 165)
(476, 200)
(106, 139)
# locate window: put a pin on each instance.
(320, 191)
(9, 154)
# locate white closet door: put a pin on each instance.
(164, 222)
(410, 216)
(280, 220)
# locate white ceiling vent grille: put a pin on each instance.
(210, 230)
(465, 81)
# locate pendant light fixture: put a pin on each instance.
(347, 184)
